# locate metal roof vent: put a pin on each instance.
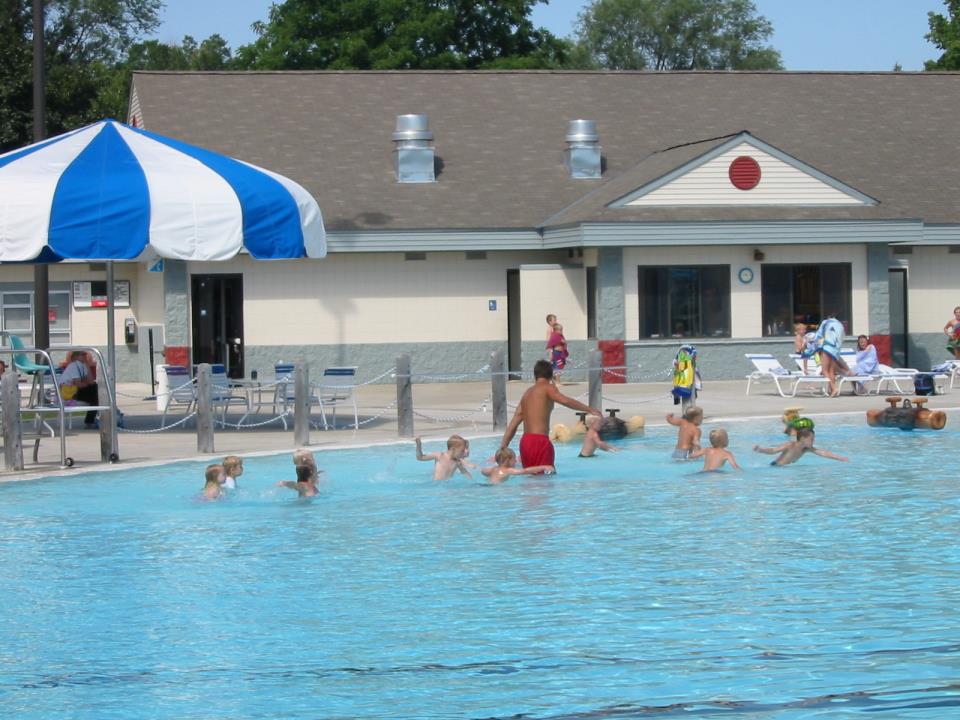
(583, 155)
(412, 153)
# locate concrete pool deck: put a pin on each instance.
(440, 410)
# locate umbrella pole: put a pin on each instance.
(111, 359)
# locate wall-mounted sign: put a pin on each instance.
(745, 275)
(93, 293)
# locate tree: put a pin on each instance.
(211, 54)
(675, 35)
(400, 34)
(16, 62)
(945, 34)
(84, 40)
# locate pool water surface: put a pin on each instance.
(625, 586)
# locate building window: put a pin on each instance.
(688, 301)
(16, 316)
(804, 294)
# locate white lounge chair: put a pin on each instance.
(337, 387)
(767, 367)
(858, 381)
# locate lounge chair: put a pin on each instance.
(767, 367)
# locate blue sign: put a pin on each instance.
(156, 267)
(492, 305)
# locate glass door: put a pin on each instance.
(217, 313)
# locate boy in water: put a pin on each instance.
(232, 469)
(506, 466)
(212, 489)
(717, 454)
(791, 451)
(688, 436)
(592, 439)
(305, 484)
(446, 463)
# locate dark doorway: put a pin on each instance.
(514, 347)
(899, 353)
(217, 302)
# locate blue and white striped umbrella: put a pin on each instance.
(113, 192)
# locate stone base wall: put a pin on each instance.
(646, 361)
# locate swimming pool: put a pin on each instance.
(625, 586)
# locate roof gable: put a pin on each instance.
(743, 171)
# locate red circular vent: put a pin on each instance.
(745, 173)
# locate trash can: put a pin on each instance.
(163, 387)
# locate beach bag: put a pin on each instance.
(923, 384)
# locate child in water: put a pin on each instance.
(506, 460)
(717, 454)
(304, 458)
(446, 463)
(793, 450)
(232, 469)
(592, 440)
(688, 436)
(212, 489)
(305, 484)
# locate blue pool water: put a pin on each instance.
(626, 586)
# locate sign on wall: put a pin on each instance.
(93, 293)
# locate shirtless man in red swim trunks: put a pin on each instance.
(534, 412)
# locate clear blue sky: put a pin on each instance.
(810, 34)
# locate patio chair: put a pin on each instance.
(767, 367)
(183, 391)
(283, 392)
(337, 387)
(223, 394)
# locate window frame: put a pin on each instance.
(665, 312)
(845, 314)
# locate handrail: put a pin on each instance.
(61, 408)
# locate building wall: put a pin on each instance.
(360, 298)
(745, 299)
(933, 290)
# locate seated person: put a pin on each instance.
(79, 374)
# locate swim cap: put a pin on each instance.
(801, 423)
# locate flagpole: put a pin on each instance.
(41, 275)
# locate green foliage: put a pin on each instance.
(84, 40)
(945, 34)
(401, 34)
(675, 35)
(16, 89)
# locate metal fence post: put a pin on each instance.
(301, 404)
(12, 432)
(595, 379)
(404, 397)
(204, 409)
(498, 389)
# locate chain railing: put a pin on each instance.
(488, 407)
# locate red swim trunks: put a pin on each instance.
(536, 450)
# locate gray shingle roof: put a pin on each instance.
(500, 136)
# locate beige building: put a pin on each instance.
(644, 209)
